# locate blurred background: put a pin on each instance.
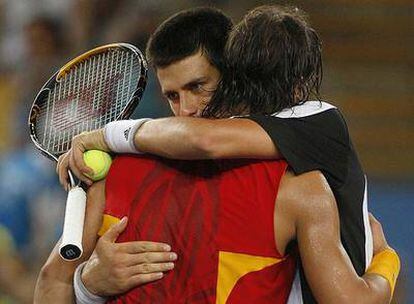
(368, 61)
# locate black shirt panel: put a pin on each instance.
(316, 142)
(319, 140)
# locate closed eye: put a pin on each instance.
(196, 85)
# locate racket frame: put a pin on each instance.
(125, 113)
(74, 251)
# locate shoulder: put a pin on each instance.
(307, 194)
(306, 184)
(307, 109)
(310, 116)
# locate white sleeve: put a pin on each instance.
(119, 135)
(83, 295)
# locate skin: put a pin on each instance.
(133, 263)
(318, 239)
(307, 212)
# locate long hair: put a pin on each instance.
(272, 62)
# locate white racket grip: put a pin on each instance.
(71, 245)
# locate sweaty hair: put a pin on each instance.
(272, 62)
(186, 33)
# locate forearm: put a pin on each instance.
(54, 284)
(338, 283)
(327, 266)
(377, 288)
(198, 138)
(333, 278)
(381, 275)
(51, 291)
(178, 138)
(369, 289)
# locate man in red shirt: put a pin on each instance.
(217, 216)
(235, 220)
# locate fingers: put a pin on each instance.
(62, 171)
(141, 279)
(92, 140)
(373, 219)
(78, 149)
(378, 237)
(74, 153)
(142, 246)
(374, 223)
(112, 234)
(151, 257)
(73, 159)
(150, 268)
(142, 252)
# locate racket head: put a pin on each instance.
(95, 88)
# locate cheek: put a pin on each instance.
(205, 101)
(200, 99)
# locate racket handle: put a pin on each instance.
(71, 246)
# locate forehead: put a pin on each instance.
(178, 74)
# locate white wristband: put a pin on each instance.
(83, 295)
(119, 135)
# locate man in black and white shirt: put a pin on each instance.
(314, 136)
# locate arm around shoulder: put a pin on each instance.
(200, 138)
(327, 266)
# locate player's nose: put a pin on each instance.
(188, 112)
(188, 107)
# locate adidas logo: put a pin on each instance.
(126, 133)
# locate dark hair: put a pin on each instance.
(187, 32)
(273, 61)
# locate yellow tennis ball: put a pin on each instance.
(99, 162)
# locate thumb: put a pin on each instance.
(115, 230)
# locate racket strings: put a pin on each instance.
(93, 93)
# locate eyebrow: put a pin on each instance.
(188, 84)
(195, 81)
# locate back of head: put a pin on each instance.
(187, 32)
(273, 61)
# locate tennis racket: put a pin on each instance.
(97, 87)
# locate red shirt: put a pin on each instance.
(216, 215)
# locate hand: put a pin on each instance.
(378, 237)
(115, 268)
(73, 159)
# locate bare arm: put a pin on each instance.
(178, 138)
(54, 284)
(199, 138)
(328, 268)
